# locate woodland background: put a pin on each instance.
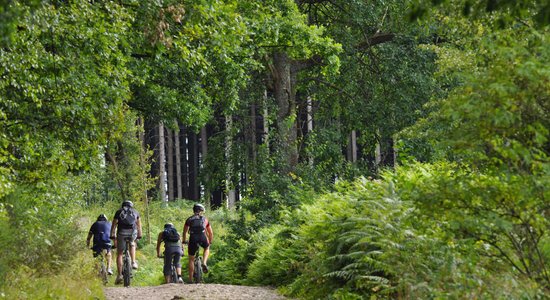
(345, 149)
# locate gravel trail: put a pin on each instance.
(192, 291)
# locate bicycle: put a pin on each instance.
(197, 274)
(127, 262)
(173, 272)
(102, 266)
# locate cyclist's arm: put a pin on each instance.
(184, 235)
(113, 228)
(209, 233)
(159, 241)
(138, 223)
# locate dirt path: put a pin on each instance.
(192, 291)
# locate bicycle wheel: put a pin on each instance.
(103, 272)
(197, 275)
(127, 268)
(174, 275)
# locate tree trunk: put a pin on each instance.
(309, 120)
(204, 152)
(162, 164)
(265, 137)
(229, 186)
(286, 114)
(193, 166)
(352, 147)
(170, 163)
(143, 167)
(178, 162)
(378, 152)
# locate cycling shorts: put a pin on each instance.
(97, 248)
(122, 234)
(196, 240)
(172, 254)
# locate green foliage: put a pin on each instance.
(40, 229)
(62, 89)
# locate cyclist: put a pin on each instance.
(200, 234)
(100, 231)
(172, 250)
(127, 224)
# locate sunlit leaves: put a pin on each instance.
(64, 84)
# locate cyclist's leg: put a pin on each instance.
(166, 267)
(191, 250)
(177, 258)
(121, 243)
(108, 259)
(119, 250)
(133, 249)
(204, 243)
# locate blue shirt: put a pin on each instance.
(101, 231)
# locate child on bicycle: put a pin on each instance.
(172, 251)
(100, 231)
(200, 234)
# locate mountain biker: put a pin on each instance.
(172, 250)
(127, 224)
(200, 234)
(100, 231)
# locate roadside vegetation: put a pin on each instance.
(357, 149)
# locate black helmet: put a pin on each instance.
(127, 203)
(168, 225)
(198, 207)
(102, 217)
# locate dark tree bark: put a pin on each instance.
(170, 163)
(193, 166)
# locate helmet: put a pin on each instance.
(198, 207)
(168, 225)
(127, 203)
(102, 217)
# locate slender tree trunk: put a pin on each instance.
(162, 164)
(378, 152)
(185, 162)
(178, 162)
(143, 167)
(252, 133)
(352, 147)
(170, 163)
(193, 166)
(309, 120)
(204, 152)
(230, 201)
(265, 137)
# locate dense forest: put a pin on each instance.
(344, 149)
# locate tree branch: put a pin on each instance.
(377, 38)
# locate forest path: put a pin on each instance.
(192, 291)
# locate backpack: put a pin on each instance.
(170, 235)
(127, 217)
(102, 232)
(197, 224)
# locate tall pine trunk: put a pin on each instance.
(162, 164)
(170, 163)
(178, 162)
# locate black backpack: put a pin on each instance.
(197, 224)
(170, 235)
(127, 217)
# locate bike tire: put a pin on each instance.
(174, 275)
(127, 270)
(197, 275)
(103, 273)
